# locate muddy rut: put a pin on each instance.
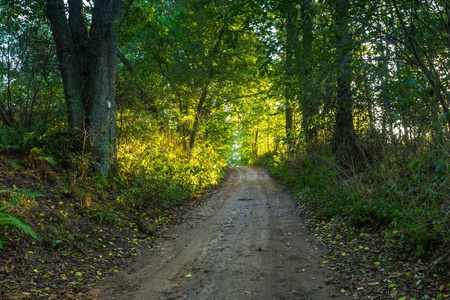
(246, 242)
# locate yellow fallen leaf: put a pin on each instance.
(376, 263)
(325, 262)
(360, 288)
(442, 287)
(342, 291)
(188, 275)
(374, 283)
(304, 270)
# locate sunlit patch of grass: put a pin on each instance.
(159, 171)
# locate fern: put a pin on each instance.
(11, 221)
(13, 196)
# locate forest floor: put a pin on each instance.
(245, 240)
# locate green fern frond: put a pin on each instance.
(8, 220)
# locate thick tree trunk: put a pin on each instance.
(69, 66)
(88, 67)
(345, 145)
(100, 97)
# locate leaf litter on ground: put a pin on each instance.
(368, 269)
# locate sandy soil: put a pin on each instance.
(246, 242)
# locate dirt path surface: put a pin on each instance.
(246, 242)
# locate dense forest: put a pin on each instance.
(124, 113)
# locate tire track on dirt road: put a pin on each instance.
(246, 242)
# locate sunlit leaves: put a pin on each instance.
(163, 171)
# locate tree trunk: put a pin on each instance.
(88, 65)
(309, 104)
(69, 66)
(100, 97)
(291, 42)
(255, 144)
(200, 107)
(345, 146)
(198, 115)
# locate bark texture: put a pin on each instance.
(69, 66)
(309, 104)
(345, 145)
(87, 61)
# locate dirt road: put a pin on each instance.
(247, 242)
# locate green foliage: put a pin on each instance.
(10, 198)
(42, 142)
(159, 172)
(9, 221)
(29, 79)
(408, 201)
(17, 138)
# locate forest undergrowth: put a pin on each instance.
(62, 229)
(386, 223)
